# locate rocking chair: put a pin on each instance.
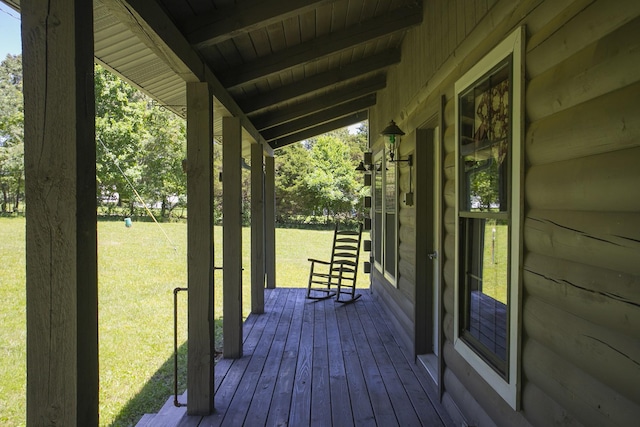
(339, 275)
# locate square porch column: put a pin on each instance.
(270, 221)
(200, 344)
(232, 237)
(61, 232)
(257, 230)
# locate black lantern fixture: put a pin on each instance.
(392, 134)
(365, 165)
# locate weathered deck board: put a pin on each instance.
(281, 402)
(321, 363)
(261, 402)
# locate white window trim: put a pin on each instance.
(508, 390)
(381, 156)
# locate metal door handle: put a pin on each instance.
(433, 255)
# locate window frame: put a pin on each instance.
(382, 265)
(507, 385)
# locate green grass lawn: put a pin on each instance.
(138, 269)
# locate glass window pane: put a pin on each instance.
(390, 244)
(484, 142)
(485, 139)
(390, 188)
(485, 279)
(377, 215)
(377, 249)
(485, 179)
(378, 186)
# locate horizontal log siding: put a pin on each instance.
(583, 398)
(450, 22)
(581, 275)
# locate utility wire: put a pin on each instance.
(115, 162)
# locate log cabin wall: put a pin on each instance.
(445, 25)
(580, 309)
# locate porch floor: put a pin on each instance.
(320, 363)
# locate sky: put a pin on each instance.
(10, 41)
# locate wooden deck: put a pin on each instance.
(319, 363)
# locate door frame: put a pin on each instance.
(428, 204)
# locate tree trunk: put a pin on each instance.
(17, 201)
(5, 198)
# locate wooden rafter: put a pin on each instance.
(312, 120)
(216, 27)
(319, 130)
(398, 20)
(320, 81)
(273, 118)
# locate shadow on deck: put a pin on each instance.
(319, 363)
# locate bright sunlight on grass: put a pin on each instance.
(138, 269)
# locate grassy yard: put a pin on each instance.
(138, 270)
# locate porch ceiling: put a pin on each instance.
(290, 69)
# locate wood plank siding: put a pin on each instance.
(580, 331)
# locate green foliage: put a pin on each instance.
(11, 133)
(139, 144)
(162, 152)
(318, 177)
(292, 164)
(332, 182)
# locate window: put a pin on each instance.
(484, 214)
(488, 216)
(384, 217)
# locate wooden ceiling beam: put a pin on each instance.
(319, 130)
(320, 81)
(273, 118)
(330, 114)
(221, 25)
(397, 20)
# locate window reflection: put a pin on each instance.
(486, 279)
(377, 218)
(484, 145)
(485, 138)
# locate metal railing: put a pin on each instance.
(176, 291)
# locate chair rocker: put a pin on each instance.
(338, 276)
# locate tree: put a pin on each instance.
(139, 144)
(163, 149)
(292, 165)
(11, 132)
(120, 131)
(318, 177)
(333, 182)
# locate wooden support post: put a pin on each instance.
(61, 234)
(257, 230)
(232, 236)
(200, 363)
(270, 221)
